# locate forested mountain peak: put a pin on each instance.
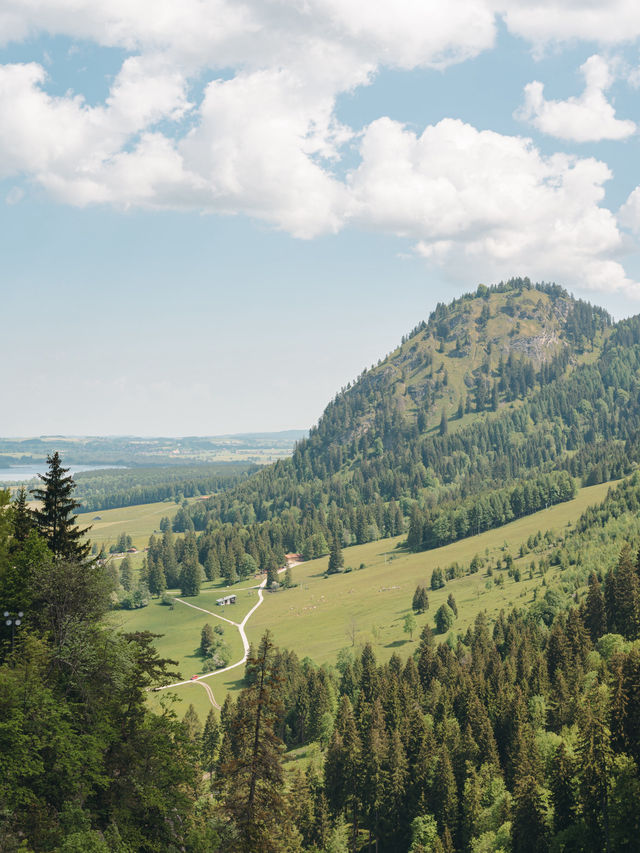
(499, 336)
(511, 383)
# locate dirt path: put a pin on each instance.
(209, 691)
(245, 642)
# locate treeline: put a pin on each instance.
(483, 512)
(518, 737)
(113, 488)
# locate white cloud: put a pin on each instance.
(587, 118)
(266, 142)
(629, 213)
(544, 22)
(472, 198)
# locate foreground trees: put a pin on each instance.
(54, 519)
(251, 775)
(84, 765)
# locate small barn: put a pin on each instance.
(228, 599)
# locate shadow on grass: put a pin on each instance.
(396, 643)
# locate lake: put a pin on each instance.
(22, 473)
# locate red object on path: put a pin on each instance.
(194, 677)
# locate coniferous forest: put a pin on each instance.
(520, 734)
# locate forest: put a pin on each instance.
(518, 734)
(112, 488)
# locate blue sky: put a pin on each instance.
(210, 221)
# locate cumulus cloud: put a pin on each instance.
(472, 198)
(545, 22)
(266, 141)
(587, 118)
(629, 213)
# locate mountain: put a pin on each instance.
(506, 384)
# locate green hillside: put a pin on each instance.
(509, 383)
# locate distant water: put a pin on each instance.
(22, 473)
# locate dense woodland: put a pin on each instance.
(113, 488)
(518, 735)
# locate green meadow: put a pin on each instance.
(179, 628)
(323, 615)
(139, 521)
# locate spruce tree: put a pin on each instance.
(252, 776)
(595, 616)
(54, 519)
(529, 832)
(156, 579)
(23, 520)
(210, 742)
(168, 558)
(191, 573)
(126, 574)
(191, 722)
(336, 560)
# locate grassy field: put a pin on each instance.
(138, 521)
(323, 615)
(180, 628)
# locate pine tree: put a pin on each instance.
(444, 426)
(210, 742)
(169, 561)
(252, 775)
(596, 759)
(444, 618)
(372, 775)
(23, 520)
(54, 519)
(191, 573)
(445, 793)
(126, 574)
(563, 789)
(595, 616)
(192, 723)
(420, 601)
(627, 596)
(207, 639)
(336, 560)
(212, 565)
(529, 832)
(156, 580)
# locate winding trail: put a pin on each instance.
(245, 642)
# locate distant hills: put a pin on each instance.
(137, 450)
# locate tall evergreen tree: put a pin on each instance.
(596, 760)
(54, 518)
(210, 742)
(595, 615)
(156, 580)
(23, 519)
(126, 574)
(336, 560)
(191, 572)
(252, 776)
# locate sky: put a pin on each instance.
(214, 214)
